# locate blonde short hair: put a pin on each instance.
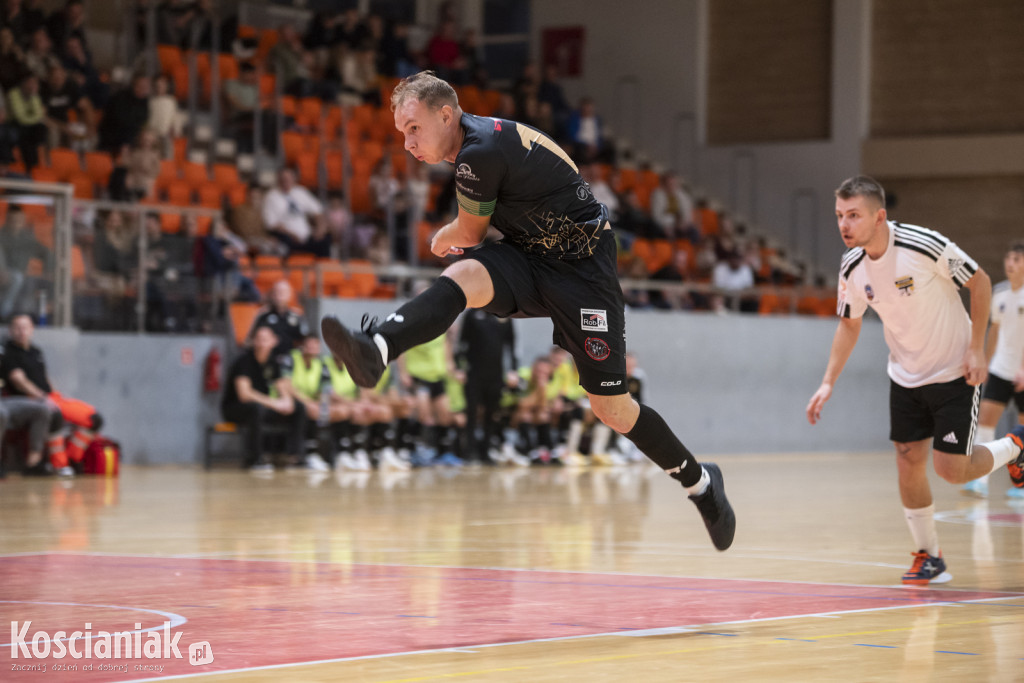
(427, 88)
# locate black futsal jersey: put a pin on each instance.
(529, 187)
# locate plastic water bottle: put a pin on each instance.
(43, 308)
(325, 406)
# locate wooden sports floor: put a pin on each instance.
(541, 574)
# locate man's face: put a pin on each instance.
(264, 341)
(21, 330)
(428, 133)
(286, 180)
(311, 347)
(859, 219)
(1013, 264)
(281, 295)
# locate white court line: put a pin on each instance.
(1008, 594)
(465, 648)
(174, 619)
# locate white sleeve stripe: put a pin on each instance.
(913, 238)
(924, 233)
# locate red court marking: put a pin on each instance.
(271, 613)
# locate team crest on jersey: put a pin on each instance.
(869, 293)
(593, 320)
(954, 264)
(465, 172)
(905, 285)
(597, 349)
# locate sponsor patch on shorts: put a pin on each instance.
(593, 320)
(597, 349)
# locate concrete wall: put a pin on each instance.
(647, 76)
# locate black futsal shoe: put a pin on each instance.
(356, 350)
(715, 509)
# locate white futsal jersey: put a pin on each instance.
(1008, 313)
(913, 288)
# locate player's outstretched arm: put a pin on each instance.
(842, 346)
(467, 230)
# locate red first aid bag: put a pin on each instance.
(102, 457)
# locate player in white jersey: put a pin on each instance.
(1005, 349)
(910, 277)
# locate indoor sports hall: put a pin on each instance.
(191, 486)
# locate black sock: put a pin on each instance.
(654, 438)
(424, 318)
(544, 436)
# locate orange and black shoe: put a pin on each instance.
(1016, 467)
(925, 569)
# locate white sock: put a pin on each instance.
(983, 435)
(1003, 451)
(922, 527)
(702, 484)
(572, 440)
(382, 345)
(599, 442)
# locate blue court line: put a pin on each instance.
(712, 633)
(887, 647)
(917, 599)
(951, 652)
(800, 640)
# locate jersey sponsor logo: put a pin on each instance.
(611, 384)
(464, 172)
(869, 292)
(497, 125)
(582, 191)
(593, 320)
(954, 264)
(596, 348)
(905, 285)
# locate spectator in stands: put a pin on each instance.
(291, 62)
(20, 245)
(173, 21)
(125, 116)
(115, 254)
(246, 221)
(79, 65)
(676, 271)
(68, 22)
(395, 58)
(672, 208)
(22, 18)
(444, 54)
(549, 90)
(633, 218)
(8, 133)
(526, 85)
(586, 132)
(222, 251)
(319, 35)
(39, 54)
(287, 210)
(12, 59)
(288, 323)
(62, 96)
(256, 394)
(165, 119)
(142, 166)
(28, 114)
(359, 79)
(24, 374)
(734, 274)
(601, 190)
(242, 100)
(339, 222)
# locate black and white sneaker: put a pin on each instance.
(715, 509)
(356, 350)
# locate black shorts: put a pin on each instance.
(1001, 391)
(947, 413)
(582, 297)
(435, 389)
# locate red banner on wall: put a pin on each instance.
(563, 47)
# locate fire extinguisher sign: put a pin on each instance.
(187, 356)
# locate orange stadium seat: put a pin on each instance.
(203, 225)
(309, 111)
(242, 315)
(225, 176)
(309, 174)
(169, 57)
(289, 105)
(65, 162)
(292, 143)
(77, 263)
(168, 174)
(179, 78)
(364, 282)
(43, 174)
(268, 39)
(196, 175)
(627, 179)
(773, 303)
(236, 193)
(170, 222)
(334, 164)
(267, 85)
(83, 186)
(227, 67)
(490, 100)
(179, 193)
(210, 196)
(99, 166)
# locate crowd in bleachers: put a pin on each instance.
(319, 100)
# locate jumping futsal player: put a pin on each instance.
(910, 276)
(557, 260)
